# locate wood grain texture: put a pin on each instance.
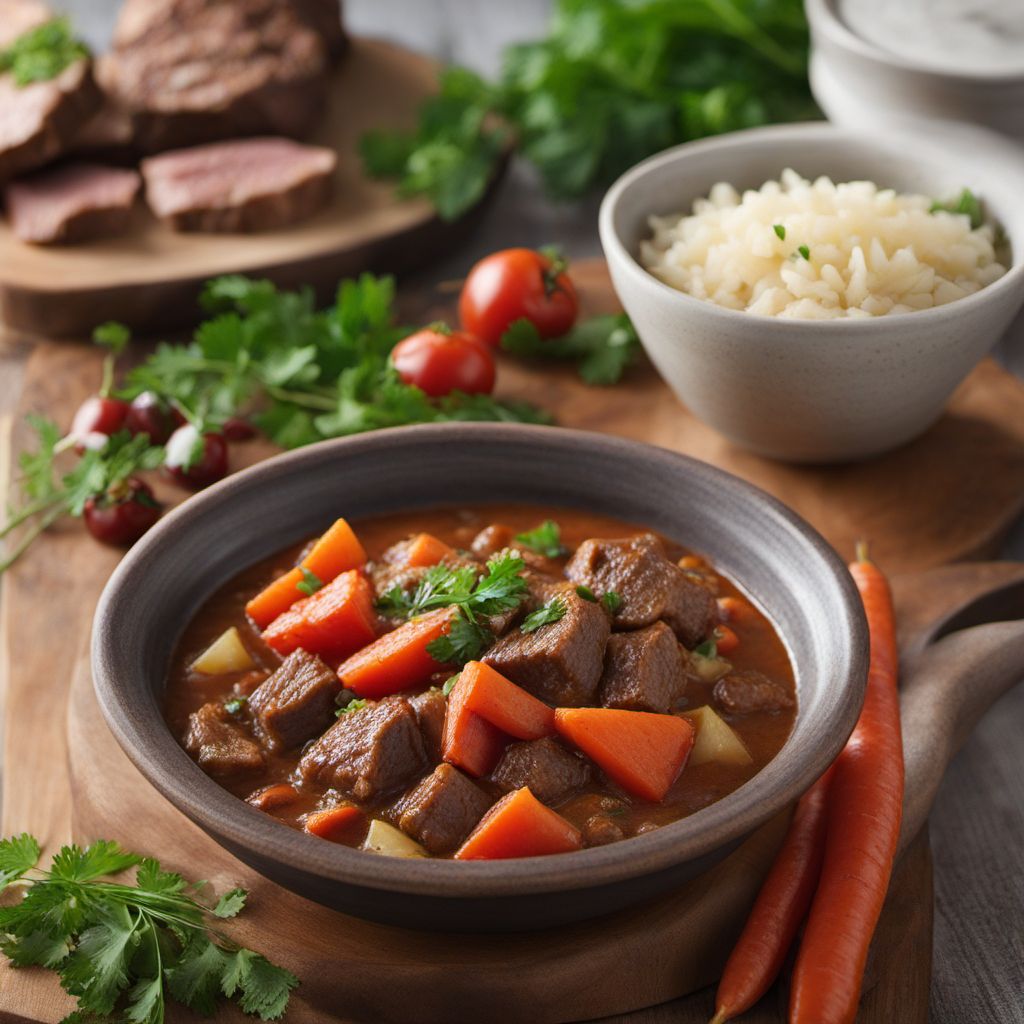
(149, 277)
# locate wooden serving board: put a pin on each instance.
(64, 775)
(149, 277)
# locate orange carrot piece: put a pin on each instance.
(865, 810)
(398, 660)
(509, 707)
(271, 797)
(726, 640)
(275, 598)
(337, 551)
(519, 825)
(734, 609)
(641, 751)
(425, 549)
(469, 742)
(779, 910)
(335, 823)
(334, 622)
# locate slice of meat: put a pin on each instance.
(71, 203)
(644, 670)
(193, 71)
(552, 772)
(560, 663)
(296, 703)
(430, 707)
(442, 810)
(368, 752)
(746, 691)
(219, 742)
(239, 186)
(649, 585)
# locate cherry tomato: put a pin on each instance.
(439, 362)
(516, 283)
(122, 515)
(149, 414)
(98, 415)
(239, 429)
(190, 471)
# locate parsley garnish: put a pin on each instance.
(708, 649)
(804, 251)
(546, 539)
(311, 583)
(449, 684)
(780, 230)
(42, 53)
(554, 610)
(602, 347)
(356, 704)
(612, 601)
(586, 593)
(235, 705)
(465, 641)
(121, 949)
(966, 203)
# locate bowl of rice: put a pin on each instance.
(815, 293)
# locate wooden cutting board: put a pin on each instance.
(64, 776)
(148, 278)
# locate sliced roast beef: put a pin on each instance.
(746, 691)
(71, 203)
(220, 743)
(194, 71)
(649, 585)
(368, 752)
(296, 703)
(552, 772)
(442, 810)
(644, 670)
(240, 186)
(561, 662)
(430, 707)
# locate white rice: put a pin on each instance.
(870, 251)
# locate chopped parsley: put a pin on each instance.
(804, 251)
(122, 949)
(311, 583)
(967, 203)
(465, 641)
(449, 684)
(780, 230)
(612, 601)
(586, 593)
(554, 610)
(545, 540)
(235, 705)
(42, 53)
(708, 649)
(355, 704)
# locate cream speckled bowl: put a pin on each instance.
(801, 390)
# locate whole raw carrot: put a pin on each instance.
(779, 910)
(865, 808)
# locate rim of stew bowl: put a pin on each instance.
(199, 546)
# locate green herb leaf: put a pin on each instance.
(545, 539)
(465, 641)
(311, 583)
(356, 704)
(113, 336)
(230, 904)
(586, 593)
(554, 610)
(612, 601)
(967, 203)
(42, 53)
(780, 230)
(17, 855)
(804, 251)
(235, 704)
(708, 649)
(449, 684)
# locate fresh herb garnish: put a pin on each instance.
(121, 949)
(545, 539)
(780, 230)
(612, 601)
(311, 583)
(586, 593)
(449, 684)
(602, 347)
(356, 704)
(465, 641)
(554, 610)
(804, 251)
(966, 203)
(42, 53)
(708, 649)
(235, 705)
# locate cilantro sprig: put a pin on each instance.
(967, 203)
(545, 540)
(123, 951)
(42, 53)
(547, 614)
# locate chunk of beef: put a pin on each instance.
(552, 772)
(644, 670)
(324, 17)
(219, 743)
(296, 703)
(498, 539)
(430, 707)
(599, 830)
(194, 71)
(442, 810)
(239, 186)
(72, 203)
(368, 752)
(561, 662)
(650, 586)
(744, 692)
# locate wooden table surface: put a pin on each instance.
(977, 826)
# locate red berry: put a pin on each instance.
(122, 515)
(149, 414)
(239, 429)
(98, 415)
(196, 460)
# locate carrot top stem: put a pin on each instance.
(862, 551)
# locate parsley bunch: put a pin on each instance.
(42, 53)
(119, 949)
(614, 81)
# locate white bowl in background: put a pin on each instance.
(813, 390)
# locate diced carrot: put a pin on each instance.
(469, 741)
(398, 660)
(734, 609)
(425, 549)
(337, 551)
(276, 598)
(726, 640)
(334, 622)
(335, 823)
(270, 797)
(692, 562)
(641, 751)
(498, 700)
(519, 825)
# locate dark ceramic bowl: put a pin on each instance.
(772, 554)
